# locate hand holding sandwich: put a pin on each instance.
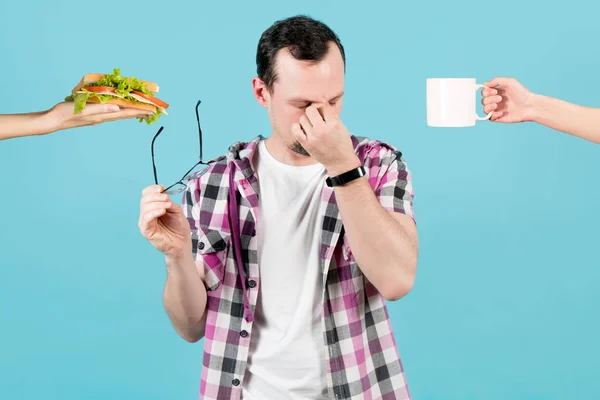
(96, 99)
(61, 117)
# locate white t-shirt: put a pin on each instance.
(287, 349)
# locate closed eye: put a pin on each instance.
(305, 106)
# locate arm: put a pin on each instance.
(384, 242)
(184, 297)
(576, 120)
(512, 103)
(61, 117)
(166, 227)
(18, 125)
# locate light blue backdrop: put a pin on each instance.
(506, 299)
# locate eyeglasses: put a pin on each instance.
(180, 185)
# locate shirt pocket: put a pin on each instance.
(212, 246)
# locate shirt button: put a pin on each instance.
(252, 283)
(253, 232)
(236, 382)
(201, 245)
(244, 334)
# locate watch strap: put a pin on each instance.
(346, 177)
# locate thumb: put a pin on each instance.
(96, 108)
(499, 81)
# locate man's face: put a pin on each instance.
(300, 84)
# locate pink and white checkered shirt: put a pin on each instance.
(221, 204)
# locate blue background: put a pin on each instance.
(506, 298)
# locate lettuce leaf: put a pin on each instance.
(124, 85)
(152, 118)
(81, 98)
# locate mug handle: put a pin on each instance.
(477, 87)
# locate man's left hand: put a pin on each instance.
(326, 139)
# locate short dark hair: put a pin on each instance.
(306, 38)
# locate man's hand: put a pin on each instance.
(510, 101)
(326, 139)
(61, 115)
(163, 223)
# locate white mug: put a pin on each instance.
(451, 102)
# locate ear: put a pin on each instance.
(261, 93)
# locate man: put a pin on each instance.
(284, 276)
(61, 117)
(512, 102)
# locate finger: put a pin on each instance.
(328, 112)
(150, 207)
(506, 119)
(305, 125)
(99, 108)
(489, 108)
(496, 116)
(487, 92)
(499, 81)
(153, 198)
(115, 116)
(491, 100)
(149, 218)
(152, 189)
(155, 206)
(299, 135)
(314, 116)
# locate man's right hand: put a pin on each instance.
(163, 223)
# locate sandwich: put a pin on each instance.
(116, 89)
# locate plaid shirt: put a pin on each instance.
(221, 204)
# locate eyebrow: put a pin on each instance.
(301, 100)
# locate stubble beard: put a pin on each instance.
(297, 148)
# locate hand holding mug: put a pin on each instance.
(508, 99)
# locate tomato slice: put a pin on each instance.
(97, 89)
(154, 100)
(109, 89)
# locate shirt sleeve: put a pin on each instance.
(393, 187)
(207, 245)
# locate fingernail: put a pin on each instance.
(494, 106)
(113, 108)
(494, 91)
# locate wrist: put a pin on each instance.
(180, 260)
(46, 122)
(533, 111)
(37, 123)
(341, 167)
